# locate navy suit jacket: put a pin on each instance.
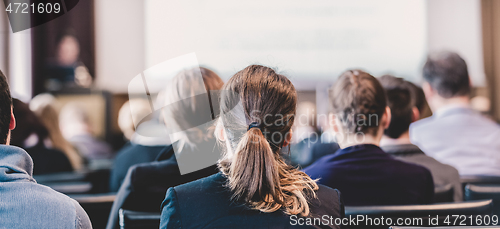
(131, 154)
(145, 184)
(366, 175)
(206, 203)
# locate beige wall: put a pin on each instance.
(491, 49)
(4, 40)
(119, 29)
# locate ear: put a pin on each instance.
(415, 114)
(12, 124)
(288, 138)
(428, 90)
(386, 118)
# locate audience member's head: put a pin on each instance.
(7, 121)
(126, 117)
(403, 104)
(74, 120)
(257, 113)
(359, 106)
(447, 79)
(188, 107)
(418, 97)
(29, 130)
(43, 105)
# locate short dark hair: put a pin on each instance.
(5, 108)
(27, 123)
(418, 97)
(447, 73)
(399, 99)
(358, 98)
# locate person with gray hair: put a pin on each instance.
(455, 134)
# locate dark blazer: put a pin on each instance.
(206, 203)
(129, 155)
(366, 175)
(144, 187)
(442, 174)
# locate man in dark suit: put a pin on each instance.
(396, 140)
(361, 170)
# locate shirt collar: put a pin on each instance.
(452, 108)
(402, 149)
(359, 148)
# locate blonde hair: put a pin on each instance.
(127, 116)
(42, 106)
(187, 102)
(256, 172)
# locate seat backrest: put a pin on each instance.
(419, 215)
(97, 207)
(479, 180)
(134, 219)
(60, 177)
(87, 182)
(443, 194)
(77, 187)
(484, 192)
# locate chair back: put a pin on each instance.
(443, 194)
(416, 215)
(484, 192)
(135, 219)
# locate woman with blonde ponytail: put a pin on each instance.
(255, 188)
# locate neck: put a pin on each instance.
(352, 140)
(402, 140)
(439, 103)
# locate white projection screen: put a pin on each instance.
(309, 41)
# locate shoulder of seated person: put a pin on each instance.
(429, 121)
(213, 181)
(415, 168)
(148, 171)
(327, 202)
(156, 166)
(42, 192)
(327, 192)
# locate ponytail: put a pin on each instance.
(260, 177)
(256, 173)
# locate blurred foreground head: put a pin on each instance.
(7, 122)
(189, 105)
